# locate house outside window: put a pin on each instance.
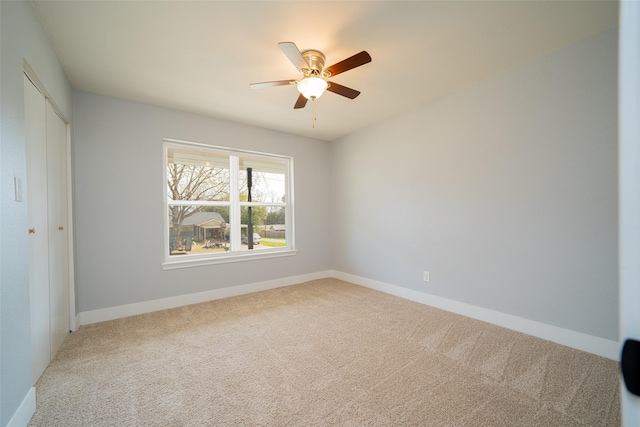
(225, 205)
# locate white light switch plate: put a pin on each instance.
(17, 182)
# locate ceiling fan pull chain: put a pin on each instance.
(313, 123)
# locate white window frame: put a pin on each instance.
(235, 205)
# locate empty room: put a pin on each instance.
(318, 213)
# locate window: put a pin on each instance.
(225, 205)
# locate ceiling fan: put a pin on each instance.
(314, 75)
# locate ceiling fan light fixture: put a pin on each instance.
(314, 75)
(312, 87)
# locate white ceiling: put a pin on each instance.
(201, 56)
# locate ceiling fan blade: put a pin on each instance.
(343, 90)
(271, 84)
(293, 53)
(301, 102)
(355, 61)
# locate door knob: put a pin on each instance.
(61, 228)
(630, 365)
(32, 231)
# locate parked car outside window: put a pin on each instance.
(256, 239)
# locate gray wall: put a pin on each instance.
(119, 202)
(22, 38)
(506, 191)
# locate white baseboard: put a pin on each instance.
(25, 411)
(580, 341)
(104, 314)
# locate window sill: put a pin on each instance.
(227, 258)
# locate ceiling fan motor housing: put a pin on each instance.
(315, 59)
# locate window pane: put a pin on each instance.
(194, 231)
(201, 198)
(268, 180)
(269, 229)
(197, 174)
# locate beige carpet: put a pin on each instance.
(320, 353)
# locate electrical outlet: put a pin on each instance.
(425, 276)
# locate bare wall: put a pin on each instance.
(119, 202)
(506, 192)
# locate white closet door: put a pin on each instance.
(46, 194)
(36, 197)
(58, 229)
